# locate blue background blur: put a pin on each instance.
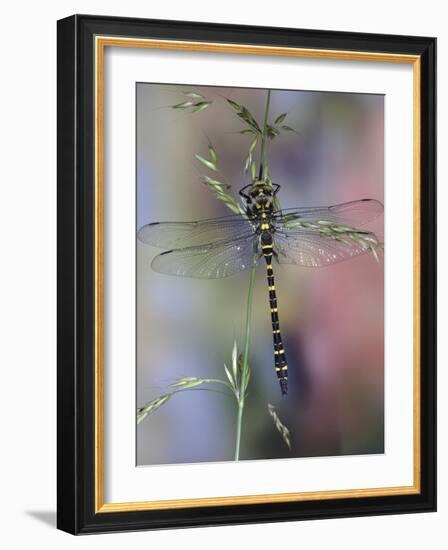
(331, 318)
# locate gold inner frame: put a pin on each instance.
(101, 42)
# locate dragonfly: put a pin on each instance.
(304, 236)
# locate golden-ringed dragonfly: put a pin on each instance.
(220, 247)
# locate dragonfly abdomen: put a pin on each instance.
(281, 367)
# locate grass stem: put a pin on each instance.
(245, 363)
(238, 430)
(244, 379)
(263, 138)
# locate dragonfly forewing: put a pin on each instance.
(209, 261)
(184, 234)
(354, 213)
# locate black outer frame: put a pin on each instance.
(75, 403)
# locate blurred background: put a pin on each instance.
(332, 318)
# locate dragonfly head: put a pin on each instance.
(260, 189)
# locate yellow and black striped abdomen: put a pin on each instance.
(281, 367)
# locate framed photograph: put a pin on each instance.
(246, 274)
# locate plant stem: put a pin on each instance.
(263, 137)
(245, 365)
(238, 430)
(250, 295)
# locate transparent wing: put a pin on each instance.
(311, 249)
(209, 261)
(180, 234)
(354, 213)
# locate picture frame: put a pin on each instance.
(82, 300)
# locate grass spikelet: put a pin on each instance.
(208, 163)
(217, 186)
(180, 384)
(281, 428)
(152, 406)
(195, 104)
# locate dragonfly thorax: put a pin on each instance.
(260, 200)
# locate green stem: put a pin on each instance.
(263, 137)
(245, 365)
(250, 296)
(238, 430)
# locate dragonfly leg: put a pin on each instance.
(245, 196)
(277, 188)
